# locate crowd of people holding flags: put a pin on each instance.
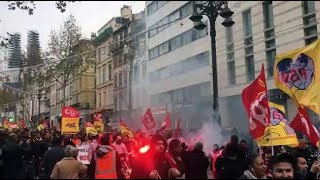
(99, 151)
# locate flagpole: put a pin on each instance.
(272, 149)
(318, 158)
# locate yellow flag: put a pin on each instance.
(297, 73)
(279, 129)
(125, 130)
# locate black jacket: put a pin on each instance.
(229, 168)
(12, 159)
(50, 158)
(196, 164)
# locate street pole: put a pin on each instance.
(214, 65)
(212, 9)
(39, 101)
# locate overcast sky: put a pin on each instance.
(91, 15)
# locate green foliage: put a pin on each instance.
(103, 36)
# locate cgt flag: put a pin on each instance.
(166, 123)
(70, 120)
(302, 124)
(148, 120)
(297, 73)
(279, 131)
(255, 102)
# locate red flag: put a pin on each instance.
(98, 117)
(255, 102)
(302, 123)
(166, 122)
(148, 120)
(89, 124)
(178, 128)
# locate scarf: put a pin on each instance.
(249, 175)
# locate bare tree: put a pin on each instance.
(72, 54)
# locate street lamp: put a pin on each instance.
(128, 51)
(212, 9)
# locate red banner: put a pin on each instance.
(166, 123)
(98, 117)
(70, 112)
(148, 120)
(302, 123)
(255, 102)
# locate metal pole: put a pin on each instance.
(39, 99)
(214, 66)
(32, 109)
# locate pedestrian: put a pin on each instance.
(256, 168)
(197, 163)
(52, 156)
(282, 166)
(12, 158)
(69, 167)
(104, 158)
(173, 156)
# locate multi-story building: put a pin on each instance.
(79, 90)
(138, 78)
(262, 29)
(104, 68)
(125, 48)
(179, 63)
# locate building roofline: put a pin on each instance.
(106, 24)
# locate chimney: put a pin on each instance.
(126, 12)
(93, 36)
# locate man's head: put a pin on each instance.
(215, 148)
(159, 144)
(175, 146)
(302, 164)
(57, 141)
(105, 139)
(282, 166)
(118, 139)
(234, 139)
(267, 157)
(47, 136)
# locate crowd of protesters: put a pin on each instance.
(48, 154)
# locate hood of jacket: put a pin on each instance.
(103, 150)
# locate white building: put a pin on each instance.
(261, 30)
(179, 66)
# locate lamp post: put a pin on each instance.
(212, 9)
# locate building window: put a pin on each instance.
(99, 100)
(230, 56)
(115, 102)
(125, 78)
(268, 14)
(136, 73)
(248, 45)
(155, 6)
(144, 70)
(109, 72)
(270, 42)
(105, 98)
(98, 75)
(176, 42)
(115, 80)
(120, 79)
(99, 55)
(309, 22)
(104, 73)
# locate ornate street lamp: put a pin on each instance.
(212, 9)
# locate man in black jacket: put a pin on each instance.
(52, 156)
(12, 158)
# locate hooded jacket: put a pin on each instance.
(103, 150)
